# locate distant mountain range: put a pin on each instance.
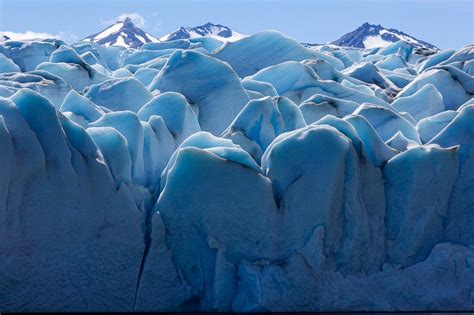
(126, 34)
(209, 29)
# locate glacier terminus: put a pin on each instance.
(207, 170)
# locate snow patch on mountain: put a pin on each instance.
(375, 41)
(372, 36)
(217, 31)
(123, 33)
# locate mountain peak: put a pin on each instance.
(370, 36)
(123, 33)
(218, 31)
(128, 22)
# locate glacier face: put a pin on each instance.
(255, 175)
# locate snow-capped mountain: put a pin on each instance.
(209, 29)
(371, 36)
(123, 33)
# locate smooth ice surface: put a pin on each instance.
(119, 94)
(426, 102)
(272, 48)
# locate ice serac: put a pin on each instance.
(369, 73)
(176, 113)
(251, 54)
(318, 106)
(392, 62)
(317, 180)
(86, 234)
(114, 149)
(29, 54)
(108, 57)
(209, 238)
(209, 84)
(7, 65)
(430, 126)
(119, 94)
(66, 63)
(82, 108)
(287, 76)
(261, 121)
(47, 84)
(371, 191)
(450, 82)
(427, 101)
(435, 60)
(7, 160)
(261, 87)
(146, 75)
(460, 215)
(130, 127)
(377, 151)
(299, 82)
(414, 219)
(401, 143)
(387, 122)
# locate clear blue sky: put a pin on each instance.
(445, 23)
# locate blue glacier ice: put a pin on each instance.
(318, 106)
(89, 207)
(82, 108)
(7, 65)
(119, 94)
(261, 121)
(175, 111)
(387, 122)
(29, 54)
(208, 84)
(77, 75)
(298, 82)
(426, 102)
(430, 126)
(267, 48)
(252, 175)
(454, 85)
(369, 73)
(428, 171)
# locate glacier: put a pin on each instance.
(252, 174)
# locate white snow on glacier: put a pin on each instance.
(250, 175)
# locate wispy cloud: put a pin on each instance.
(136, 18)
(28, 35)
(66, 36)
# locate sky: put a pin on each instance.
(444, 23)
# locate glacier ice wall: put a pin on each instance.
(258, 175)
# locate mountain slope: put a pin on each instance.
(209, 29)
(3, 38)
(123, 33)
(371, 36)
